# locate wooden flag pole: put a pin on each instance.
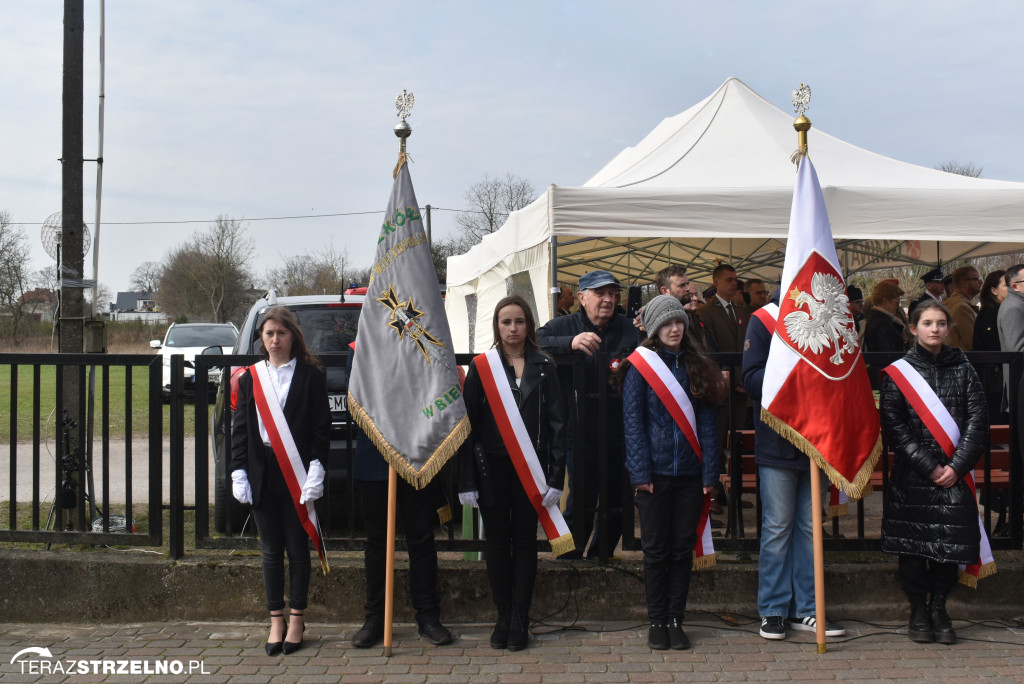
(389, 566)
(819, 556)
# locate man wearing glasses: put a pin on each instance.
(758, 293)
(960, 302)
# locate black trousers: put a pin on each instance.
(668, 532)
(510, 529)
(925, 576)
(280, 531)
(416, 513)
(612, 532)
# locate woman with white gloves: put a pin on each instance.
(280, 441)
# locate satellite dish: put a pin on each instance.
(53, 232)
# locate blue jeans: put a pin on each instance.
(785, 584)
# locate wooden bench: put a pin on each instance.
(999, 470)
(742, 447)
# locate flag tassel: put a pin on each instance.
(420, 478)
(861, 484)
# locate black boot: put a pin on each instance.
(519, 628)
(499, 637)
(920, 628)
(941, 623)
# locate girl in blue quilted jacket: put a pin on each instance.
(670, 476)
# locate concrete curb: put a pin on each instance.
(83, 587)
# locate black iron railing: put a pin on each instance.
(62, 483)
(61, 502)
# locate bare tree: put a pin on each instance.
(324, 272)
(441, 249)
(491, 201)
(105, 297)
(961, 168)
(46, 278)
(146, 277)
(207, 278)
(14, 278)
(178, 296)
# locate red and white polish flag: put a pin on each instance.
(816, 392)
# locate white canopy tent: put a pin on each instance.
(713, 184)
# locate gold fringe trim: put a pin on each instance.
(444, 514)
(562, 545)
(324, 565)
(401, 162)
(704, 562)
(838, 510)
(969, 580)
(417, 478)
(861, 485)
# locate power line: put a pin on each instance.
(262, 218)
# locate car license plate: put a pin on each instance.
(338, 402)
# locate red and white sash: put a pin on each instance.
(520, 449)
(673, 396)
(769, 315)
(287, 454)
(936, 417)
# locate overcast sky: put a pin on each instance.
(272, 108)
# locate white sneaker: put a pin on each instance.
(809, 624)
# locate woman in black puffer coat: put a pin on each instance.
(931, 515)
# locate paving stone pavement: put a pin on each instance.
(596, 652)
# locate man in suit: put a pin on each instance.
(725, 323)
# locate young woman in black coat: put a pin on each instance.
(488, 478)
(986, 338)
(257, 479)
(931, 515)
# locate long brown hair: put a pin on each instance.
(706, 381)
(531, 326)
(286, 318)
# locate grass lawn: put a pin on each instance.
(118, 416)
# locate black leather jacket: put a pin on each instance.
(541, 408)
(921, 518)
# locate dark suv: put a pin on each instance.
(329, 324)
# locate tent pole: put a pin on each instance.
(554, 289)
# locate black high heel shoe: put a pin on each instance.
(292, 647)
(274, 647)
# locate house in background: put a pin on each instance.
(137, 306)
(40, 304)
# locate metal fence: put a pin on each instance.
(61, 503)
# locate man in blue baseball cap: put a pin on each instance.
(602, 332)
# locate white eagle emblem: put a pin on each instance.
(828, 321)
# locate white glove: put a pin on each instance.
(470, 498)
(313, 489)
(551, 497)
(240, 487)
